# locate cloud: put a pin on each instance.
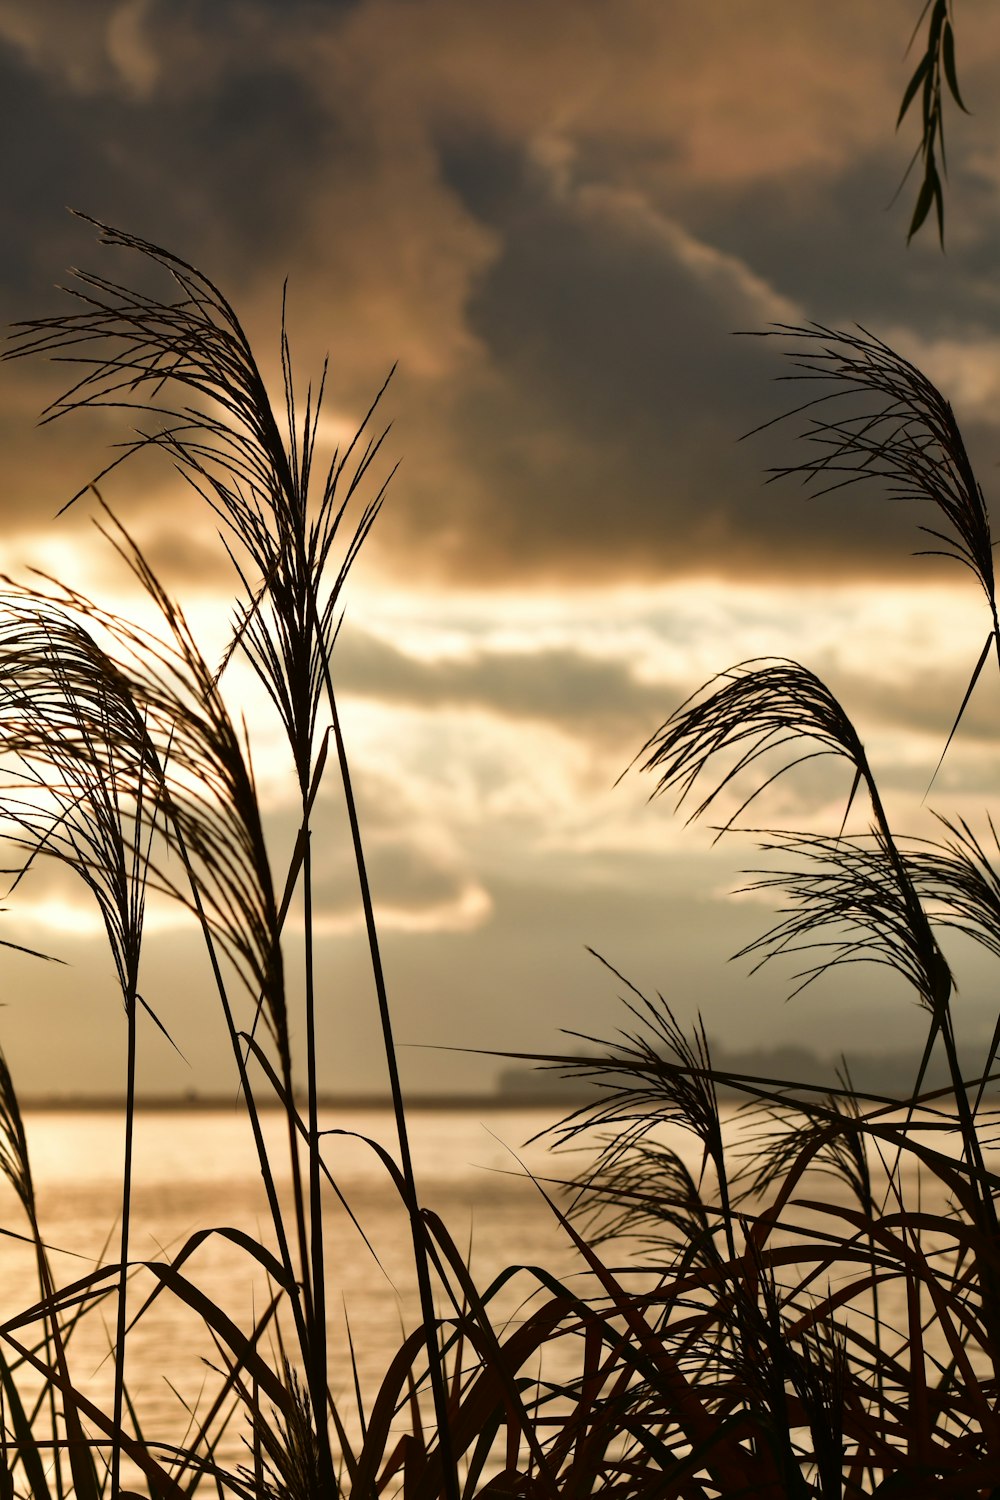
(602, 442)
(613, 682)
(422, 880)
(129, 46)
(553, 217)
(562, 687)
(421, 884)
(554, 227)
(525, 729)
(85, 53)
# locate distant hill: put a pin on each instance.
(889, 1073)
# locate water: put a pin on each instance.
(196, 1170)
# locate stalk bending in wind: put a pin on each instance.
(85, 789)
(878, 420)
(281, 531)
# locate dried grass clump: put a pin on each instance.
(794, 1320)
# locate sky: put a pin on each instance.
(551, 219)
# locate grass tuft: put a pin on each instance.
(809, 1299)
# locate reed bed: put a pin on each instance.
(792, 1321)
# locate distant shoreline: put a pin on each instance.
(208, 1103)
(887, 1075)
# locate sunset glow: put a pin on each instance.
(552, 220)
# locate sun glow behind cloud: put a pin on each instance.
(75, 916)
(488, 730)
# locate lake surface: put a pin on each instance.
(196, 1170)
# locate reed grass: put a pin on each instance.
(747, 1344)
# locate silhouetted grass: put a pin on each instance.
(797, 1318)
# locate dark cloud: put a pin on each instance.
(422, 879)
(215, 160)
(557, 255)
(417, 886)
(578, 693)
(928, 704)
(604, 439)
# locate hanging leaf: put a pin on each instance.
(911, 88)
(948, 57)
(930, 192)
(936, 64)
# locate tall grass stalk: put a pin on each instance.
(227, 442)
